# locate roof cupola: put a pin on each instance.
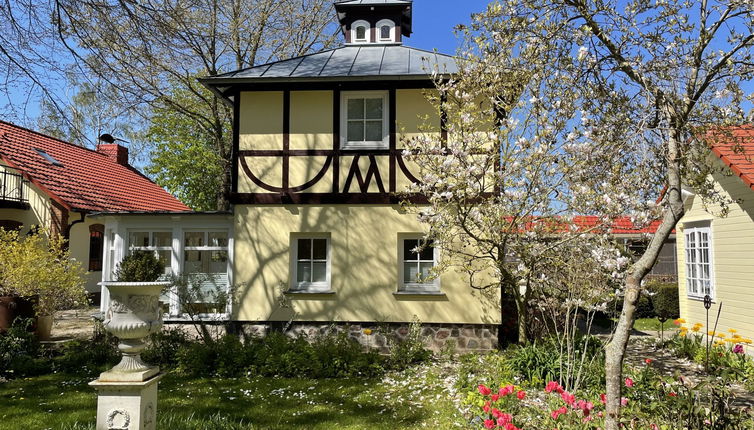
(375, 22)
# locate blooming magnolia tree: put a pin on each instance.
(603, 104)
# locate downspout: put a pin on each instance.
(67, 234)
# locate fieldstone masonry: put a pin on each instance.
(438, 336)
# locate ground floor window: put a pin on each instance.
(699, 275)
(417, 258)
(205, 267)
(312, 264)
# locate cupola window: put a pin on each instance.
(386, 29)
(360, 32)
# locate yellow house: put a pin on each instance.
(54, 184)
(715, 252)
(318, 232)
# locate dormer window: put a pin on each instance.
(386, 30)
(361, 32)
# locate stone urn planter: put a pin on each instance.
(133, 314)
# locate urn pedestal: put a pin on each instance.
(127, 393)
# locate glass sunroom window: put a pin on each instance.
(205, 264)
(159, 242)
(699, 277)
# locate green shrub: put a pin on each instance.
(540, 362)
(644, 308)
(88, 356)
(140, 266)
(20, 351)
(163, 346)
(665, 301)
(330, 355)
(409, 350)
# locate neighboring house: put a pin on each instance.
(714, 252)
(58, 185)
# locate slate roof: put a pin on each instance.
(86, 180)
(368, 61)
(735, 147)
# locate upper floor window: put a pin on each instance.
(360, 32)
(364, 120)
(417, 259)
(386, 30)
(699, 275)
(96, 242)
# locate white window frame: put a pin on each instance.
(309, 287)
(432, 287)
(367, 32)
(378, 30)
(207, 247)
(695, 282)
(151, 248)
(367, 144)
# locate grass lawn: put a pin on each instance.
(653, 324)
(66, 402)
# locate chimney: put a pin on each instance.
(116, 152)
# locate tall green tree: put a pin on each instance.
(150, 53)
(182, 158)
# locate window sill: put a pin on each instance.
(309, 293)
(699, 298)
(421, 295)
(364, 147)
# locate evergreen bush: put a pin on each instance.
(140, 266)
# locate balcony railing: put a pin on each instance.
(13, 190)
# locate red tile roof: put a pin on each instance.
(583, 223)
(735, 147)
(87, 180)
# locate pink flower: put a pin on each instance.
(489, 424)
(648, 361)
(552, 386)
(623, 401)
(672, 394)
(486, 408)
(653, 426)
(484, 390)
(496, 412)
(504, 419)
(568, 397)
(521, 394)
(629, 382)
(495, 397)
(510, 426)
(508, 389)
(603, 398)
(738, 349)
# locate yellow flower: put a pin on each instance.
(682, 333)
(736, 336)
(367, 331)
(719, 343)
(722, 335)
(732, 340)
(746, 341)
(679, 321)
(732, 330)
(711, 333)
(696, 327)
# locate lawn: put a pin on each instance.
(61, 401)
(653, 324)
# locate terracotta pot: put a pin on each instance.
(12, 307)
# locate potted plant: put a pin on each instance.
(37, 278)
(134, 313)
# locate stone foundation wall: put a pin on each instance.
(436, 336)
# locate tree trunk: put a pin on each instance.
(615, 351)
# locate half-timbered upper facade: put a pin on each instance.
(318, 173)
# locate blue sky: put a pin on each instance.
(434, 21)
